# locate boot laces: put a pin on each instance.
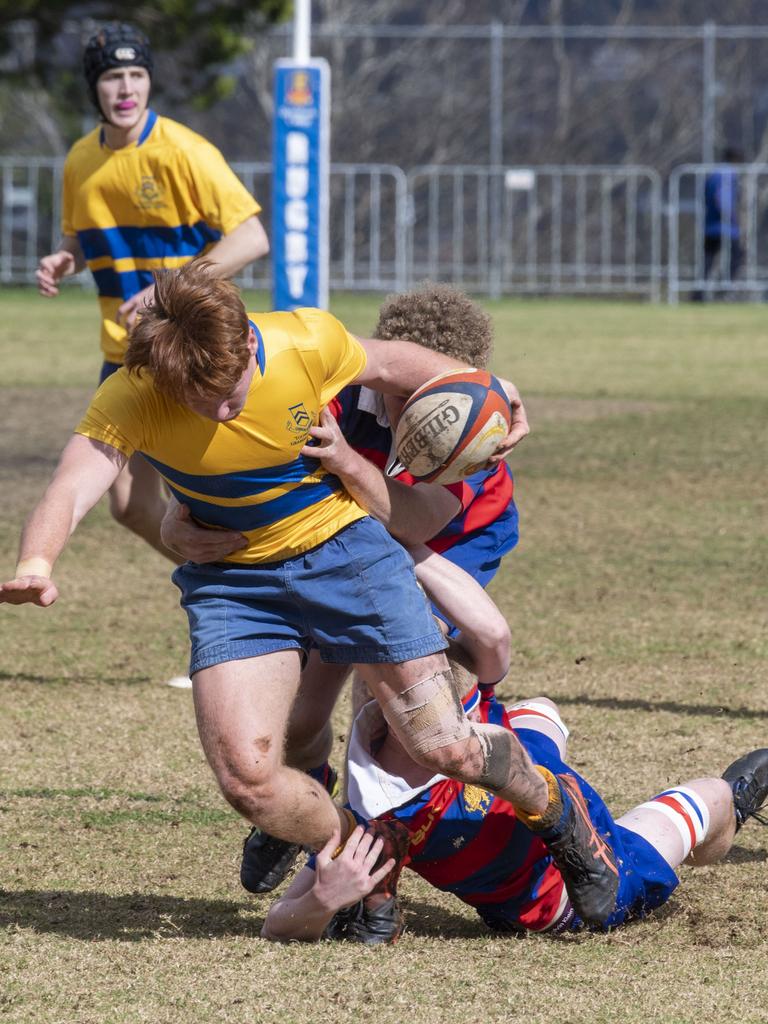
(745, 797)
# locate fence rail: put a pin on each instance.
(545, 230)
(537, 230)
(368, 214)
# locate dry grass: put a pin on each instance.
(636, 599)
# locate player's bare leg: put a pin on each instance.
(360, 695)
(423, 710)
(697, 821)
(422, 707)
(138, 501)
(266, 859)
(309, 739)
(242, 710)
(693, 822)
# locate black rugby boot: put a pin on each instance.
(370, 926)
(586, 861)
(748, 779)
(377, 925)
(339, 925)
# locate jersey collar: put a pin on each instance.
(150, 124)
(261, 356)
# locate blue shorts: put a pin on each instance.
(354, 597)
(107, 369)
(645, 878)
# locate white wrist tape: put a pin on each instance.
(33, 567)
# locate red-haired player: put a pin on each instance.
(472, 524)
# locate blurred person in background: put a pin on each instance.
(142, 193)
(722, 230)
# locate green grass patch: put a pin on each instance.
(636, 599)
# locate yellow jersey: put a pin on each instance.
(153, 205)
(246, 474)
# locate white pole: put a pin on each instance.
(302, 21)
(709, 66)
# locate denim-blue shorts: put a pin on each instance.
(355, 597)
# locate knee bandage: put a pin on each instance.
(687, 811)
(428, 715)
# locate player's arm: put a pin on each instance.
(179, 533)
(245, 243)
(67, 260)
(484, 630)
(401, 367)
(307, 906)
(519, 428)
(86, 471)
(412, 514)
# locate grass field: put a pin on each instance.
(637, 600)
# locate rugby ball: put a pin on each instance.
(451, 426)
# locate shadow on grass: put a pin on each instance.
(134, 917)
(129, 918)
(54, 680)
(137, 916)
(741, 855)
(426, 920)
(429, 920)
(638, 704)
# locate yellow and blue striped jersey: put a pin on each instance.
(153, 205)
(246, 474)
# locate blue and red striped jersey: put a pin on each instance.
(466, 841)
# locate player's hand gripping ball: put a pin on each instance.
(452, 425)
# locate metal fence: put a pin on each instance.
(494, 231)
(706, 78)
(537, 230)
(30, 214)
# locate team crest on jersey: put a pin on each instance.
(299, 423)
(476, 800)
(149, 195)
